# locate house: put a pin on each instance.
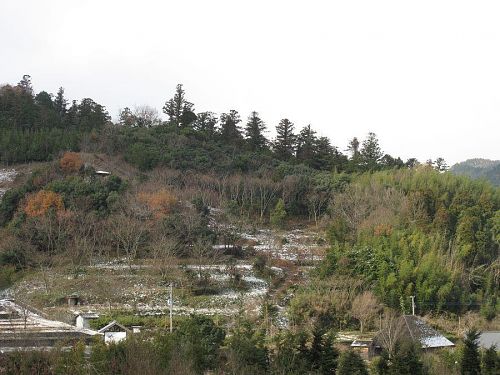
(114, 332)
(362, 346)
(83, 319)
(487, 339)
(21, 328)
(413, 328)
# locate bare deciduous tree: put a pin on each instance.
(364, 308)
(128, 234)
(163, 252)
(391, 331)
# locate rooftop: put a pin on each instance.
(489, 339)
(20, 327)
(428, 336)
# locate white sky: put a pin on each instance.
(423, 75)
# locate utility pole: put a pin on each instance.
(171, 305)
(412, 305)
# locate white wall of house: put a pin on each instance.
(115, 337)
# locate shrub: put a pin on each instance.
(39, 203)
(71, 162)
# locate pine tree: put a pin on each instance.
(370, 152)
(60, 103)
(490, 363)
(229, 130)
(406, 360)
(206, 122)
(178, 109)
(469, 364)
(324, 355)
(440, 165)
(285, 142)
(353, 148)
(306, 145)
(254, 132)
(71, 118)
(350, 363)
(324, 154)
(278, 214)
(25, 84)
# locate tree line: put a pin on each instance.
(37, 126)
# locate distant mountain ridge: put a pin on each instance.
(479, 168)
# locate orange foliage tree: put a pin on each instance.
(71, 162)
(39, 203)
(160, 202)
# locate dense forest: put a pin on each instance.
(479, 168)
(394, 228)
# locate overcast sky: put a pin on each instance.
(423, 75)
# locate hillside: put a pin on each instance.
(479, 168)
(271, 247)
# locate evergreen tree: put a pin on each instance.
(25, 84)
(178, 109)
(440, 165)
(278, 214)
(324, 154)
(370, 152)
(353, 148)
(229, 130)
(60, 103)
(246, 350)
(381, 364)
(91, 115)
(469, 364)
(126, 117)
(206, 122)
(306, 145)
(254, 132)
(71, 118)
(285, 142)
(490, 363)
(322, 355)
(43, 99)
(350, 363)
(412, 163)
(406, 360)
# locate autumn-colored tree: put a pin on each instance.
(70, 162)
(160, 202)
(39, 203)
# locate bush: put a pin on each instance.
(70, 162)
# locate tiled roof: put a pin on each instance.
(426, 335)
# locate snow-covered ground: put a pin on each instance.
(6, 176)
(294, 245)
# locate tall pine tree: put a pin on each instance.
(370, 152)
(306, 145)
(178, 109)
(254, 132)
(230, 132)
(470, 361)
(286, 141)
(350, 363)
(60, 103)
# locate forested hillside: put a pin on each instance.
(479, 168)
(178, 202)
